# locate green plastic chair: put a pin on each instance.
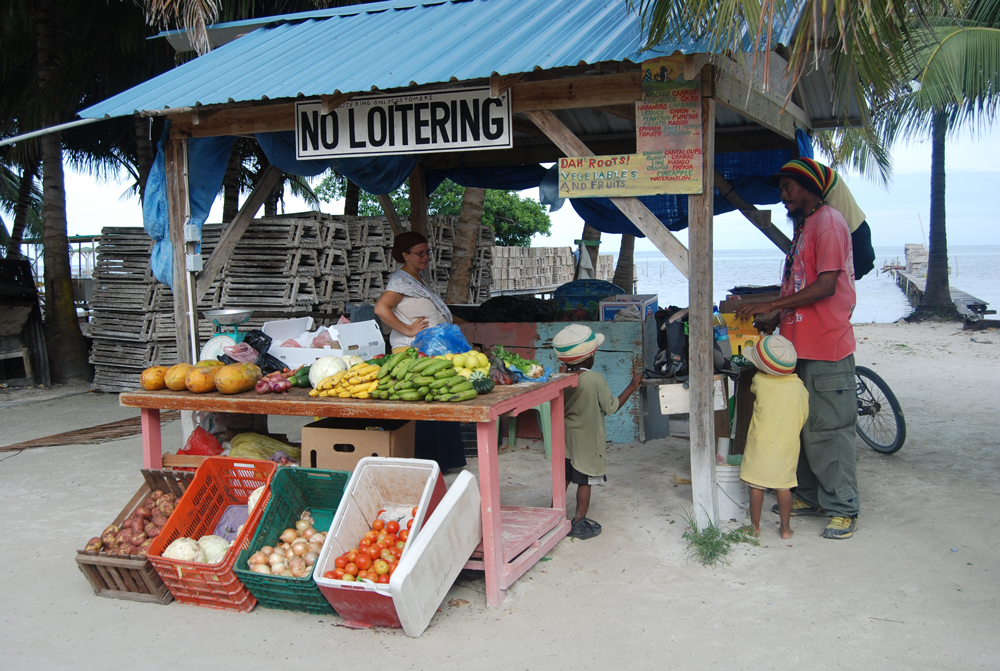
(544, 421)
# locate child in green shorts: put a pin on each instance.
(585, 408)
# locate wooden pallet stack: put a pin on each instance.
(132, 318)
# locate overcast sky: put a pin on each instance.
(897, 216)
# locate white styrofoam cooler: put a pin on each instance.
(363, 339)
(437, 549)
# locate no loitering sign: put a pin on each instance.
(404, 124)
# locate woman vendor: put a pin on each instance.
(408, 307)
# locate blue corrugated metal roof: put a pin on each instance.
(391, 45)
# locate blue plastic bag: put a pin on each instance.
(521, 377)
(441, 339)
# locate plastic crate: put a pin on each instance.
(377, 483)
(133, 578)
(470, 440)
(219, 482)
(292, 491)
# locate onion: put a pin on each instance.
(318, 538)
(276, 558)
(296, 564)
(309, 533)
(310, 557)
(278, 569)
(315, 547)
(267, 550)
(289, 554)
(300, 548)
(257, 558)
(287, 574)
(260, 568)
(302, 525)
(289, 535)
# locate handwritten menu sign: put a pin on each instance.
(668, 127)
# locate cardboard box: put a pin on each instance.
(729, 305)
(609, 307)
(742, 332)
(363, 339)
(338, 444)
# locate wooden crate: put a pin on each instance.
(133, 578)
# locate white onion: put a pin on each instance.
(296, 564)
(310, 557)
(289, 535)
(278, 569)
(276, 558)
(301, 525)
(315, 547)
(267, 550)
(309, 533)
(257, 558)
(318, 538)
(260, 568)
(300, 548)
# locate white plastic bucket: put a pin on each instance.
(734, 500)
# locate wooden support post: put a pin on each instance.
(773, 234)
(700, 354)
(418, 200)
(390, 213)
(633, 208)
(231, 236)
(178, 212)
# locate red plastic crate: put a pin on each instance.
(220, 482)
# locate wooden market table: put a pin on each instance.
(514, 538)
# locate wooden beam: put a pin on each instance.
(418, 200)
(231, 236)
(575, 92)
(632, 208)
(527, 152)
(745, 97)
(235, 121)
(500, 84)
(700, 344)
(520, 125)
(626, 112)
(390, 213)
(773, 233)
(332, 102)
(177, 214)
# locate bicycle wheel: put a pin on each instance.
(880, 418)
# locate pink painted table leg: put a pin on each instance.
(152, 449)
(489, 491)
(558, 429)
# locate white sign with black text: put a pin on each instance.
(404, 124)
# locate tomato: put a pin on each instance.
(380, 567)
(404, 534)
(348, 577)
(392, 527)
(380, 512)
(391, 540)
(363, 561)
(340, 562)
(378, 525)
(384, 579)
(373, 552)
(363, 545)
(371, 536)
(409, 524)
(351, 569)
(338, 573)
(386, 554)
(351, 556)
(397, 551)
(381, 545)
(392, 567)
(382, 536)
(331, 575)
(362, 575)
(414, 513)
(400, 545)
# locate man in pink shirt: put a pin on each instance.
(816, 303)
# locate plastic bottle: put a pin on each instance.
(721, 328)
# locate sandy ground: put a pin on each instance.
(918, 587)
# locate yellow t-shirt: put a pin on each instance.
(779, 413)
(841, 199)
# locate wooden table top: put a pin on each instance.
(297, 402)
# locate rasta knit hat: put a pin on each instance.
(820, 176)
(576, 343)
(773, 355)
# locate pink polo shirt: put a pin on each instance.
(822, 331)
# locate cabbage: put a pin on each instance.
(184, 549)
(214, 548)
(324, 367)
(254, 496)
(352, 360)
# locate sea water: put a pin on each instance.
(974, 270)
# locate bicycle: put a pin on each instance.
(880, 417)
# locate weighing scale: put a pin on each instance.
(224, 319)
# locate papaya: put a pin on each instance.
(209, 362)
(174, 377)
(153, 378)
(200, 379)
(237, 378)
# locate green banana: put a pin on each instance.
(467, 395)
(411, 396)
(447, 372)
(438, 384)
(456, 380)
(438, 365)
(389, 364)
(422, 363)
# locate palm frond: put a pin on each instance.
(194, 16)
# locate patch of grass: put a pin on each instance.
(710, 546)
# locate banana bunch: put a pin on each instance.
(359, 381)
(404, 378)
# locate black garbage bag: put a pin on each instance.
(261, 342)
(515, 309)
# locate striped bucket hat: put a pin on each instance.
(823, 177)
(773, 355)
(576, 343)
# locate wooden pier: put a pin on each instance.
(913, 286)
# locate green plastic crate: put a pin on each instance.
(292, 491)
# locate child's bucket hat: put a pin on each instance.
(576, 343)
(773, 355)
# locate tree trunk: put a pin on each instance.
(28, 173)
(231, 184)
(352, 194)
(590, 233)
(625, 270)
(143, 152)
(66, 345)
(937, 294)
(460, 288)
